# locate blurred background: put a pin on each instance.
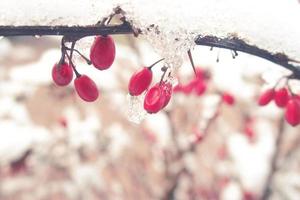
(55, 146)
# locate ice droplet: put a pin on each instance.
(37, 36)
(136, 112)
(1, 37)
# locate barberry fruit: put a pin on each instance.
(266, 97)
(155, 99)
(140, 81)
(292, 112)
(281, 97)
(62, 74)
(177, 88)
(228, 98)
(199, 87)
(102, 53)
(189, 87)
(86, 88)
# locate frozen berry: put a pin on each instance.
(62, 74)
(167, 89)
(140, 81)
(102, 54)
(155, 99)
(86, 88)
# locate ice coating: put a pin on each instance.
(135, 110)
(268, 24)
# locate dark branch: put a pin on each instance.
(274, 162)
(237, 44)
(78, 31)
(233, 43)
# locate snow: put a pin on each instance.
(119, 140)
(232, 192)
(135, 110)
(250, 159)
(252, 21)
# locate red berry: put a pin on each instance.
(297, 97)
(199, 87)
(177, 88)
(155, 99)
(228, 98)
(292, 112)
(200, 73)
(63, 122)
(86, 88)
(188, 88)
(198, 136)
(222, 152)
(248, 196)
(248, 130)
(103, 52)
(281, 97)
(62, 74)
(140, 81)
(266, 97)
(167, 89)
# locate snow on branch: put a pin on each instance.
(267, 29)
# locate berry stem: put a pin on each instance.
(233, 54)
(191, 60)
(70, 59)
(73, 66)
(289, 87)
(110, 18)
(150, 67)
(81, 55)
(164, 69)
(63, 51)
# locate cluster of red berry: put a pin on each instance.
(158, 96)
(283, 98)
(197, 85)
(102, 55)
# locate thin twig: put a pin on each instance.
(273, 168)
(170, 193)
(210, 122)
(237, 44)
(192, 61)
(174, 132)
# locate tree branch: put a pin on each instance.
(79, 31)
(237, 44)
(231, 43)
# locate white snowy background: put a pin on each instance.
(31, 107)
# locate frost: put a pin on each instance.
(135, 112)
(172, 25)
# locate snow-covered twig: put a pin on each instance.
(232, 43)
